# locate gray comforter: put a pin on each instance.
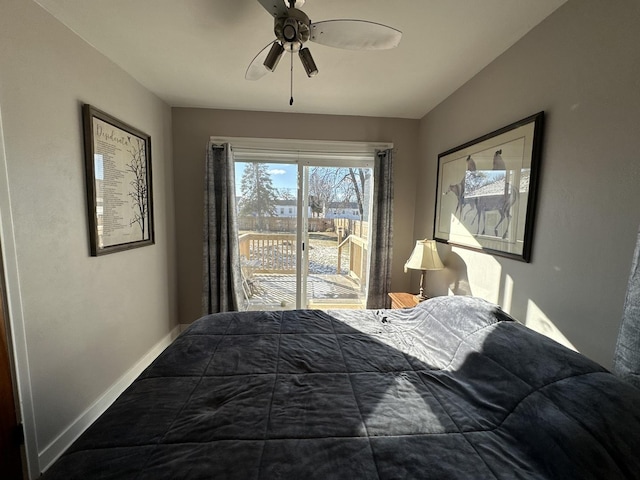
(453, 388)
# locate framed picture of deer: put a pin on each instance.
(486, 191)
(119, 189)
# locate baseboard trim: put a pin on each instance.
(52, 452)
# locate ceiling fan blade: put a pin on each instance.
(256, 69)
(276, 8)
(355, 35)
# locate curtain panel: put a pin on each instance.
(221, 275)
(626, 361)
(381, 231)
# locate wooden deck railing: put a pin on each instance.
(276, 253)
(357, 257)
(268, 252)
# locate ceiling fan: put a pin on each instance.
(293, 28)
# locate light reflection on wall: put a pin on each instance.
(507, 294)
(458, 229)
(484, 274)
(538, 321)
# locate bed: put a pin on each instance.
(453, 388)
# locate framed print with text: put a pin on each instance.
(486, 191)
(119, 188)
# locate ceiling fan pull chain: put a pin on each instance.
(291, 99)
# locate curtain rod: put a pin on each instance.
(302, 153)
(311, 146)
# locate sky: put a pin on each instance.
(282, 176)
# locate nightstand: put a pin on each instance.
(403, 300)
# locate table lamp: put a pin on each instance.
(424, 257)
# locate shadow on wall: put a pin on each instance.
(452, 279)
(455, 275)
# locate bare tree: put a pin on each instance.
(285, 194)
(359, 179)
(139, 192)
(329, 184)
(323, 183)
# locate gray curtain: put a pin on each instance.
(626, 361)
(221, 276)
(381, 231)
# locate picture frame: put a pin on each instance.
(119, 183)
(486, 191)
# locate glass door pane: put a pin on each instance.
(337, 236)
(266, 199)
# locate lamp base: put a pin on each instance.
(420, 296)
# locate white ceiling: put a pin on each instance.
(194, 53)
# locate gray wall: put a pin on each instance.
(86, 320)
(191, 131)
(582, 67)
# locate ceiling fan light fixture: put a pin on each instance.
(274, 56)
(289, 29)
(307, 62)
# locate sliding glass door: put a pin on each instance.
(303, 232)
(336, 233)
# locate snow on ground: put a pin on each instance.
(323, 259)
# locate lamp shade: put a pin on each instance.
(424, 257)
